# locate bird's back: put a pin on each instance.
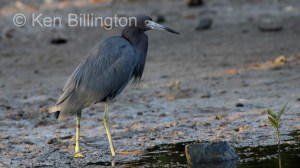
(101, 76)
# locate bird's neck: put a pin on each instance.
(137, 38)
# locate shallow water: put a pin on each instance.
(170, 155)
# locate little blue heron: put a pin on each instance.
(105, 72)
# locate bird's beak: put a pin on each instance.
(156, 26)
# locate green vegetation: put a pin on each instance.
(274, 119)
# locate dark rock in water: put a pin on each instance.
(212, 154)
(192, 3)
(269, 24)
(204, 24)
(160, 19)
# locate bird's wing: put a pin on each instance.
(105, 71)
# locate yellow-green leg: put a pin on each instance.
(77, 149)
(105, 121)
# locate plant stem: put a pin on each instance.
(278, 138)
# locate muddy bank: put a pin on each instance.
(214, 84)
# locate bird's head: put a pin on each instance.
(145, 23)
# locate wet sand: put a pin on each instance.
(211, 85)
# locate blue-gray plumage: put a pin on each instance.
(105, 72)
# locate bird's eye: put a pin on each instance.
(147, 21)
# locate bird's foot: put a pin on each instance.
(78, 155)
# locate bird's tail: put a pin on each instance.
(53, 109)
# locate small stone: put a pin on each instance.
(192, 3)
(160, 19)
(217, 117)
(162, 115)
(58, 41)
(239, 105)
(205, 96)
(280, 60)
(207, 124)
(172, 98)
(204, 24)
(171, 124)
(59, 38)
(8, 33)
(269, 24)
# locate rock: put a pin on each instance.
(160, 19)
(212, 154)
(171, 98)
(269, 24)
(206, 96)
(58, 41)
(192, 3)
(162, 115)
(280, 60)
(204, 24)
(8, 33)
(239, 105)
(217, 117)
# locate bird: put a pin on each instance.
(104, 73)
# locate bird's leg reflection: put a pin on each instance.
(105, 121)
(77, 148)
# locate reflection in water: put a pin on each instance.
(172, 155)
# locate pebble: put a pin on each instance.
(217, 117)
(269, 24)
(204, 24)
(280, 60)
(192, 3)
(58, 41)
(239, 105)
(8, 33)
(205, 96)
(171, 98)
(162, 115)
(160, 19)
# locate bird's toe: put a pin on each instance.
(78, 155)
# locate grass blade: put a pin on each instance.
(272, 114)
(281, 112)
(273, 121)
